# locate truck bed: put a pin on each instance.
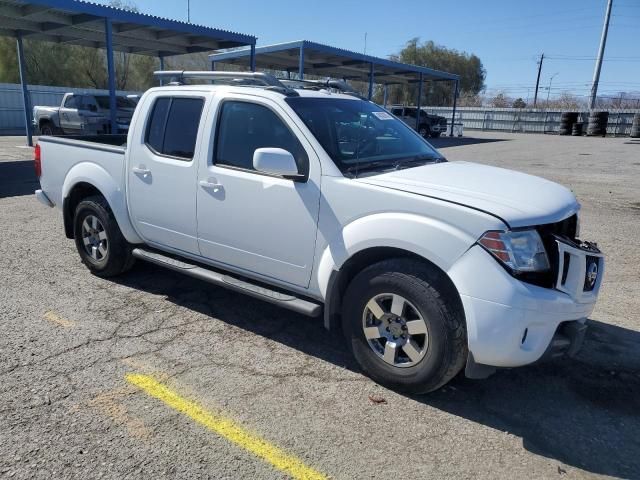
(60, 154)
(119, 140)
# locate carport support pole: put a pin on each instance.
(301, 63)
(161, 58)
(252, 58)
(25, 92)
(455, 104)
(419, 102)
(108, 31)
(213, 66)
(384, 96)
(371, 74)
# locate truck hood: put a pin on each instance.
(516, 198)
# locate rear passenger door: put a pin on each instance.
(254, 222)
(162, 172)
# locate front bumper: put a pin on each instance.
(511, 323)
(438, 128)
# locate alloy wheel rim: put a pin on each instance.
(395, 330)
(94, 238)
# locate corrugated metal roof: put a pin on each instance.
(325, 60)
(82, 23)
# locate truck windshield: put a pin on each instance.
(360, 136)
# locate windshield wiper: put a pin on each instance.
(362, 167)
(416, 161)
(400, 164)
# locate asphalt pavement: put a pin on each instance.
(156, 375)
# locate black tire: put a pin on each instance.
(48, 128)
(433, 298)
(635, 126)
(436, 134)
(424, 131)
(118, 258)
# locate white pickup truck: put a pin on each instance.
(326, 204)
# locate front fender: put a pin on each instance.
(94, 174)
(440, 243)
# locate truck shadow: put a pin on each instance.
(17, 178)
(446, 141)
(583, 412)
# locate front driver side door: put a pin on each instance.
(258, 223)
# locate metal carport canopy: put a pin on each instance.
(324, 60)
(306, 57)
(92, 25)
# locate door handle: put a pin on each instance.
(212, 185)
(141, 171)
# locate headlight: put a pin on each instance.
(520, 250)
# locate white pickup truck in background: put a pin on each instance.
(327, 204)
(83, 114)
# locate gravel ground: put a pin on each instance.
(69, 338)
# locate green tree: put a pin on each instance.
(429, 54)
(519, 103)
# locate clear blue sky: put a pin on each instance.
(508, 36)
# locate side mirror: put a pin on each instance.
(275, 161)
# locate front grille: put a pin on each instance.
(566, 228)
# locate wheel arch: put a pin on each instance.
(340, 278)
(87, 179)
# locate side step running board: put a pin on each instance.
(281, 299)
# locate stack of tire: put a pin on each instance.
(598, 124)
(567, 121)
(576, 130)
(635, 126)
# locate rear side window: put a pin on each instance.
(244, 127)
(173, 126)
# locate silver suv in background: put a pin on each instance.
(429, 126)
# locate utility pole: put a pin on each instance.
(535, 95)
(603, 41)
(188, 11)
(549, 89)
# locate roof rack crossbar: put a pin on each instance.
(257, 77)
(329, 83)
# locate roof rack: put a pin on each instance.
(339, 85)
(248, 79)
(257, 79)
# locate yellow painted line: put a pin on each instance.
(58, 320)
(226, 428)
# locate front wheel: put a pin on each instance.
(404, 325)
(99, 241)
(424, 131)
(436, 134)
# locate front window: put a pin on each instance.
(360, 137)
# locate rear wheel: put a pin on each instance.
(98, 238)
(48, 128)
(404, 327)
